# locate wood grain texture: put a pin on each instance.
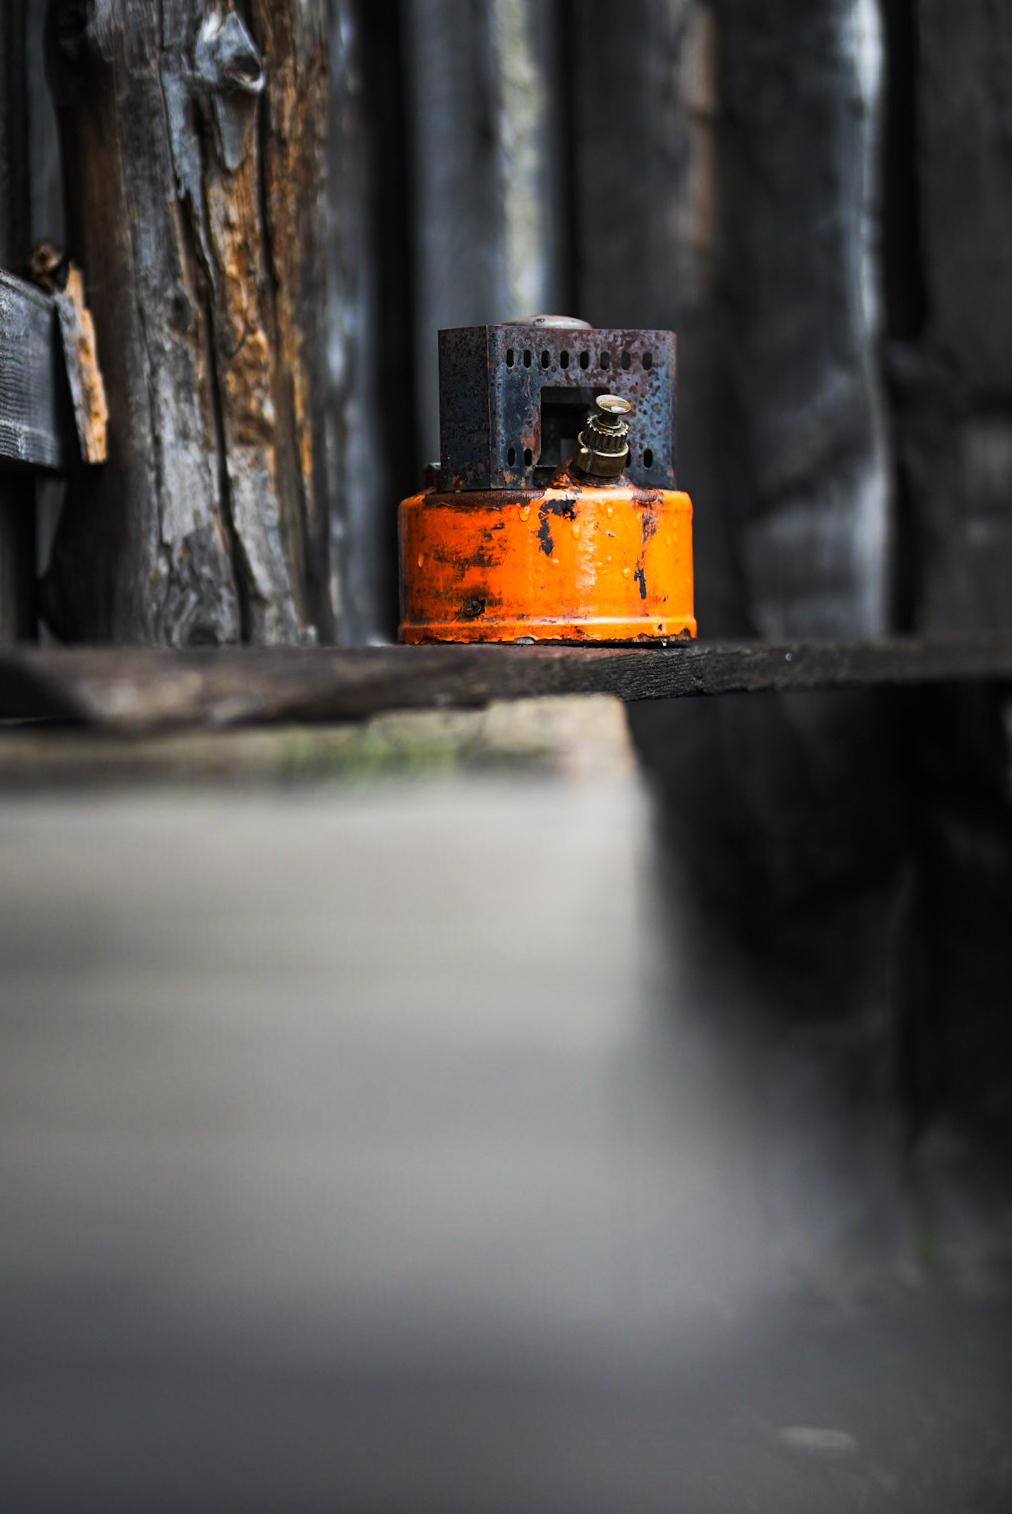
(296, 229)
(737, 211)
(193, 171)
(139, 690)
(648, 227)
(35, 428)
(805, 474)
(84, 376)
(370, 430)
(484, 147)
(954, 381)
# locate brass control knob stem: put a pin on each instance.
(602, 448)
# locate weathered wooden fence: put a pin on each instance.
(276, 206)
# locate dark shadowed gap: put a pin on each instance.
(953, 967)
(903, 279)
(953, 1053)
(906, 572)
(381, 34)
(17, 491)
(903, 268)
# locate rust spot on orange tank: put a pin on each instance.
(649, 522)
(545, 532)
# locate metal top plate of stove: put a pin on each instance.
(512, 397)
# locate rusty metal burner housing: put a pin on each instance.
(519, 539)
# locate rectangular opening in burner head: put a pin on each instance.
(562, 414)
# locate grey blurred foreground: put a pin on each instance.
(362, 1147)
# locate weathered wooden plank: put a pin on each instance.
(142, 551)
(145, 689)
(736, 205)
(370, 421)
(954, 381)
(646, 185)
(193, 159)
(805, 465)
(485, 149)
(35, 425)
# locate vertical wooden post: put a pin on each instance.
(646, 196)
(804, 431)
(956, 379)
(735, 201)
(485, 144)
(17, 491)
(952, 374)
(371, 266)
(193, 139)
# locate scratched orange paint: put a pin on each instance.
(568, 563)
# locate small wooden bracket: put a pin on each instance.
(36, 415)
(52, 400)
(87, 390)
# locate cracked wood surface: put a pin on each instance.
(143, 689)
(193, 164)
(35, 425)
(952, 370)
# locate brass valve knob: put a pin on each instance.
(602, 447)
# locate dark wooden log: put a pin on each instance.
(136, 690)
(951, 369)
(646, 210)
(371, 419)
(955, 382)
(806, 473)
(484, 146)
(194, 167)
(17, 493)
(725, 185)
(737, 206)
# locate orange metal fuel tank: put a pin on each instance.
(553, 515)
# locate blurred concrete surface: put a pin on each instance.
(400, 1144)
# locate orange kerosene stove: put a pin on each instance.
(553, 514)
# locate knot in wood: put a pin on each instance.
(225, 56)
(227, 63)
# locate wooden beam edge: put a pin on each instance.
(137, 690)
